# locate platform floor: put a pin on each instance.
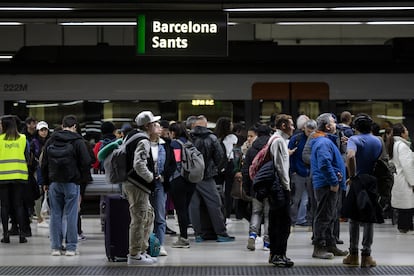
(393, 251)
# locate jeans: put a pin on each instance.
(142, 218)
(158, 200)
(368, 236)
(260, 210)
(301, 184)
(63, 201)
(325, 215)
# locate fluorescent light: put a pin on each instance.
(41, 105)
(370, 8)
(10, 23)
(127, 23)
(6, 56)
(272, 9)
(73, 102)
(390, 23)
(320, 23)
(33, 9)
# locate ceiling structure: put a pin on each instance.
(299, 23)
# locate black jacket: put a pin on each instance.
(207, 143)
(361, 201)
(81, 155)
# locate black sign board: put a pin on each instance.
(182, 34)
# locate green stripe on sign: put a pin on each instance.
(141, 34)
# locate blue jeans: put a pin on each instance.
(158, 200)
(63, 201)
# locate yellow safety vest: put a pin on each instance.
(13, 165)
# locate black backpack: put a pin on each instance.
(62, 160)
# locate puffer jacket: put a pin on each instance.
(207, 143)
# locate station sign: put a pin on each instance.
(182, 34)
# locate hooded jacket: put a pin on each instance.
(81, 157)
(207, 143)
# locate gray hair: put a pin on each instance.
(323, 120)
(311, 124)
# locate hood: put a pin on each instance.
(259, 143)
(65, 135)
(200, 132)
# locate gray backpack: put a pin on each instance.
(116, 163)
(192, 162)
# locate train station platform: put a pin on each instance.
(394, 253)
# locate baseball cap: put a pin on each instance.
(42, 124)
(146, 117)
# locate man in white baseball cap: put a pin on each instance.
(146, 117)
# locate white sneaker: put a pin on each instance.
(70, 253)
(55, 252)
(148, 256)
(163, 252)
(43, 224)
(139, 260)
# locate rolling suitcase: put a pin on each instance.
(117, 221)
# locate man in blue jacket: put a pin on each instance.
(328, 178)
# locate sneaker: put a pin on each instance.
(55, 252)
(266, 246)
(181, 243)
(70, 253)
(138, 260)
(148, 256)
(251, 243)
(282, 261)
(163, 252)
(225, 238)
(81, 237)
(43, 224)
(199, 239)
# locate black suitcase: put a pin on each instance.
(117, 221)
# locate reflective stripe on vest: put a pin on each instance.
(13, 164)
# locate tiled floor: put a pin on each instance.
(390, 248)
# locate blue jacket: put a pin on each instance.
(326, 162)
(296, 162)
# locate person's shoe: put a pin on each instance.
(282, 261)
(6, 238)
(22, 239)
(169, 231)
(225, 238)
(163, 252)
(266, 246)
(336, 251)
(351, 260)
(81, 237)
(181, 243)
(251, 243)
(199, 239)
(321, 252)
(55, 252)
(367, 261)
(70, 253)
(148, 256)
(138, 260)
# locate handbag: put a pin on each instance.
(237, 191)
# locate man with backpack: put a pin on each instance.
(206, 191)
(138, 187)
(66, 161)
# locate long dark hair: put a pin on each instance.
(9, 126)
(223, 127)
(397, 130)
(179, 130)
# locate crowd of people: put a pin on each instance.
(318, 168)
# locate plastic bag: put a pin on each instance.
(45, 210)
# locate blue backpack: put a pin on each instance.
(154, 246)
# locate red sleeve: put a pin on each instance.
(95, 151)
